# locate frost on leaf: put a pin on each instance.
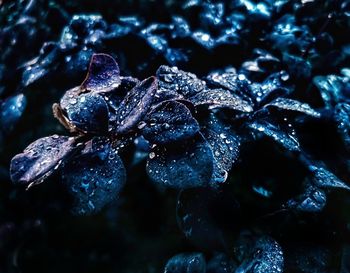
(293, 105)
(94, 178)
(168, 122)
(40, 159)
(286, 140)
(221, 98)
(103, 74)
(265, 256)
(182, 165)
(186, 263)
(135, 105)
(88, 112)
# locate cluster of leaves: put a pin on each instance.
(263, 131)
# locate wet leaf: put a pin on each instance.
(286, 140)
(293, 105)
(103, 75)
(168, 122)
(332, 88)
(342, 119)
(94, 178)
(182, 165)
(183, 83)
(236, 83)
(221, 263)
(308, 257)
(272, 87)
(40, 159)
(312, 199)
(204, 214)
(265, 256)
(220, 98)
(186, 263)
(11, 111)
(225, 147)
(325, 179)
(135, 105)
(88, 112)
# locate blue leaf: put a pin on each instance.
(325, 179)
(293, 105)
(186, 263)
(135, 105)
(184, 83)
(88, 112)
(183, 165)
(286, 140)
(312, 199)
(342, 119)
(332, 88)
(224, 146)
(11, 111)
(265, 256)
(94, 178)
(220, 98)
(168, 122)
(221, 263)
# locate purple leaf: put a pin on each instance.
(40, 159)
(103, 75)
(135, 105)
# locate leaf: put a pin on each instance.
(182, 165)
(135, 105)
(11, 111)
(332, 88)
(293, 105)
(186, 263)
(40, 159)
(103, 74)
(236, 83)
(225, 148)
(286, 140)
(312, 199)
(94, 178)
(342, 119)
(325, 179)
(265, 256)
(204, 214)
(221, 263)
(170, 121)
(220, 98)
(272, 87)
(183, 83)
(88, 112)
